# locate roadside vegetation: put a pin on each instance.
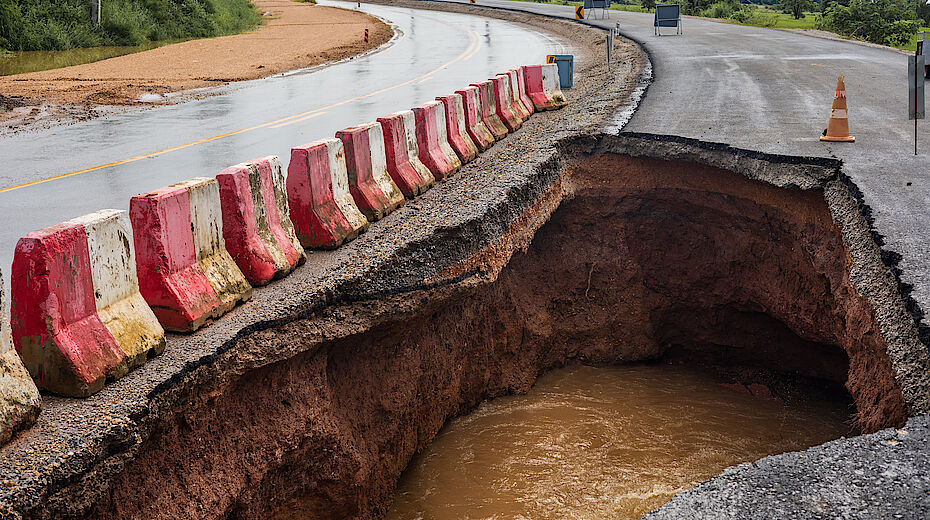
(30, 25)
(886, 22)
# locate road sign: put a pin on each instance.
(579, 12)
(915, 87)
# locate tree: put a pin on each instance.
(648, 4)
(796, 7)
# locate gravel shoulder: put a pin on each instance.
(882, 475)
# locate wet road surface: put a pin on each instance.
(433, 54)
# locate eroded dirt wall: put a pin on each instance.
(648, 258)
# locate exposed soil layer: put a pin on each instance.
(641, 256)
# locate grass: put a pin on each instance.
(31, 25)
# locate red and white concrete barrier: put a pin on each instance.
(371, 186)
(322, 209)
(185, 272)
(516, 104)
(520, 90)
(542, 85)
(78, 315)
(474, 125)
(410, 175)
(432, 141)
(257, 228)
(488, 108)
(20, 401)
(503, 103)
(461, 142)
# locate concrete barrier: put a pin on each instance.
(20, 401)
(517, 102)
(413, 149)
(454, 111)
(413, 178)
(322, 209)
(503, 103)
(432, 142)
(474, 125)
(371, 186)
(257, 228)
(185, 272)
(542, 86)
(521, 90)
(488, 106)
(78, 315)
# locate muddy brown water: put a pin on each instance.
(594, 443)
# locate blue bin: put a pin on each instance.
(565, 63)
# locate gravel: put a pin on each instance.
(881, 475)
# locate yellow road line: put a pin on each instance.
(472, 48)
(292, 121)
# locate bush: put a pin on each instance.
(64, 24)
(762, 18)
(888, 22)
(718, 10)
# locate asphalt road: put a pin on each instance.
(771, 90)
(435, 53)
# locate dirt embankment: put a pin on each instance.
(641, 259)
(297, 35)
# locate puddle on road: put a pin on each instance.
(595, 443)
(34, 61)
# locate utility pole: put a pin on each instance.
(95, 8)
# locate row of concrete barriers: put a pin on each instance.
(92, 297)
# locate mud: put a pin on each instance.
(642, 259)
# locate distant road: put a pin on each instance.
(101, 163)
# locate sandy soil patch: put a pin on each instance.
(296, 35)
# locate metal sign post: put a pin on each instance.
(95, 9)
(915, 86)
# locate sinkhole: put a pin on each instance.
(696, 290)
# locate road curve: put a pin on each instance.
(53, 175)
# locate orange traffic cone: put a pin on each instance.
(838, 128)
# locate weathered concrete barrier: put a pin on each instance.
(431, 136)
(185, 272)
(410, 175)
(504, 105)
(322, 209)
(520, 90)
(20, 401)
(257, 228)
(517, 102)
(371, 186)
(455, 127)
(474, 125)
(78, 315)
(488, 105)
(542, 85)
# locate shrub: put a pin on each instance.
(888, 22)
(64, 24)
